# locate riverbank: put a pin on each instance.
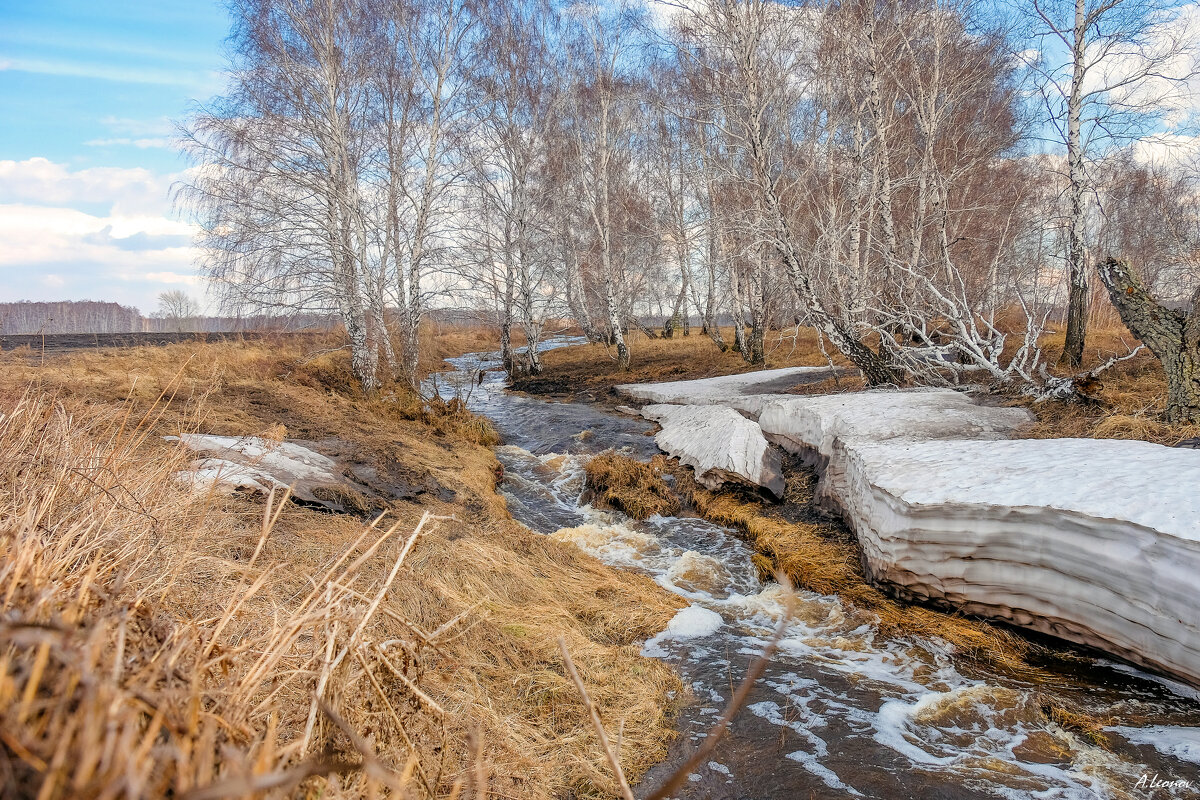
(1125, 402)
(209, 619)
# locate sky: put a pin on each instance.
(90, 92)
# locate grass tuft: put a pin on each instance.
(629, 486)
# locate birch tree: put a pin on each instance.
(277, 192)
(754, 57)
(1109, 71)
(514, 104)
(603, 110)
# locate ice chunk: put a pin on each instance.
(693, 622)
(719, 443)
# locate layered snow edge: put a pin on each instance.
(1093, 541)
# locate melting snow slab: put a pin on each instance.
(745, 392)
(1094, 541)
(815, 426)
(719, 443)
(815, 422)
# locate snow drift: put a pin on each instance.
(745, 392)
(249, 463)
(1094, 541)
(814, 426)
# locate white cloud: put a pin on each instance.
(1167, 150)
(100, 233)
(1155, 72)
(128, 126)
(190, 79)
(44, 182)
(171, 277)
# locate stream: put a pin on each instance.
(841, 711)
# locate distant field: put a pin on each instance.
(70, 342)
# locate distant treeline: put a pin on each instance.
(91, 316)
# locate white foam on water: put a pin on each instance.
(801, 719)
(696, 576)
(617, 544)
(933, 716)
(1177, 742)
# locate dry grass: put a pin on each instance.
(1086, 726)
(440, 341)
(630, 486)
(155, 642)
(592, 368)
(1125, 402)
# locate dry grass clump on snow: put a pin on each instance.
(629, 486)
(156, 642)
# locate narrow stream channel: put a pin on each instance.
(841, 711)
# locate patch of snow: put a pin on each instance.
(719, 443)
(745, 392)
(693, 622)
(251, 463)
(276, 458)
(1094, 541)
(813, 426)
(205, 474)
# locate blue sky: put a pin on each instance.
(89, 95)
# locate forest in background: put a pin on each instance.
(927, 184)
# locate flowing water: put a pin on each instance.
(841, 711)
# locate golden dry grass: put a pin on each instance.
(630, 486)
(1125, 402)
(593, 367)
(1086, 726)
(155, 641)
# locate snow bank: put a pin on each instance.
(814, 426)
(745, 392)
(719, 443)
(1093, 541)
